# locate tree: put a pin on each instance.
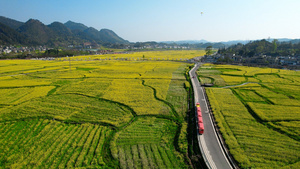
(208, 50)
(274, 44)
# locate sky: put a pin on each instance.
(168, 20)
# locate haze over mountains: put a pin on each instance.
(34, 32)
(228, 43)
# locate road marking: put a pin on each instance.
(219, 142)
(207, 154)
(204, 99)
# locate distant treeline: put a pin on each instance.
(274, 48)
(47, 53)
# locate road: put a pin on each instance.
(209, 144)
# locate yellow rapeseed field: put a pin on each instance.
(147, 55)
(63, 113)
(257, 113)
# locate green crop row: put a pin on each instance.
(147, 156)
(70, 107)
(271, 113)
(251, 143)
(50, 144)
(148, 142)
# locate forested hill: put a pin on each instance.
(34, 32)
(274, 48)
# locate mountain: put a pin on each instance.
(295, 41)
(102, 36)
(186, 41)
(280, 40)
(108, 36)
(60, 29)
(264, 47)
(34, 32)
(64, 35)
(10, 22)
(75, 26)
(226, 43)
(10, 36)
(93, 34)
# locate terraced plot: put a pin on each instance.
(14, 96)
(64, 113)
(51, 144)
(260, 120)
(251, 143)
(70, 107)
(147, 143)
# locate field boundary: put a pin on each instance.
(161, 100)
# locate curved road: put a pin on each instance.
(209, 144)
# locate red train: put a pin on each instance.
(200, 120)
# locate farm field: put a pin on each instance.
(94, 112)
(148, 55)
(258, 112)
(50, 144)
(148, 147)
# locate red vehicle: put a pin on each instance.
(199, 111)
(199, 119)
(201, 128)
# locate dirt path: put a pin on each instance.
(239, 85)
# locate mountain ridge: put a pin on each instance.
(230, 42)
(34, 32)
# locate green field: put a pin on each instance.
(259, 120)
(98, 112)
(51, 144)
(147, 144)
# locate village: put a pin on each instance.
(13, 49)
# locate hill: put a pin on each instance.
(10, 22)
(110, 37)
(11, 36)
(60, 29)
(64, 35)
(34, 32)
(274, 48)
(75, 26)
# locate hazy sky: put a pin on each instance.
(169, 20)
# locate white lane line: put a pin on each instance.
(204, 99)
(219, 142)
(204, 152)
(207, 154)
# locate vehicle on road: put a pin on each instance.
(199, 119)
